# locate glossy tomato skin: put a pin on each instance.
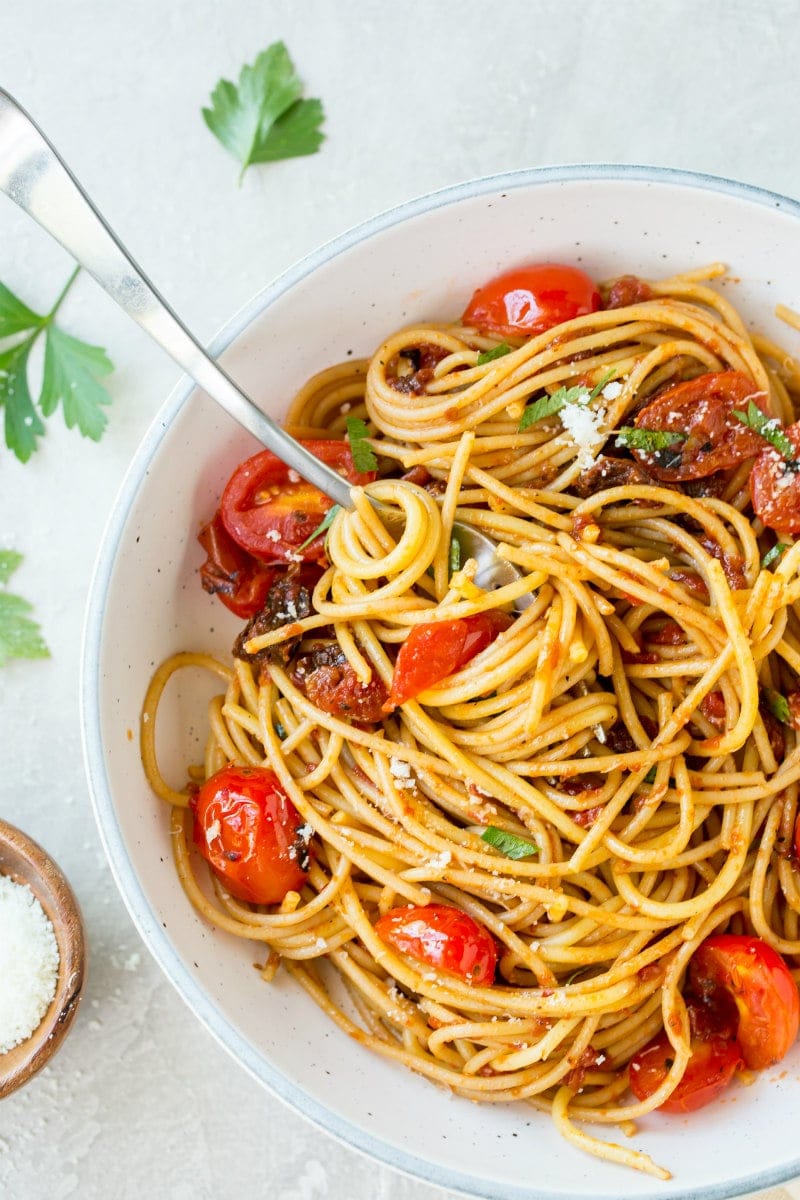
(432, 652)
(529, 300)
(240, 581)
(270, 512)
(775, 487)
(442, 937)
(702, 409)
(252, 835)
(758, 980)
(712, 1064)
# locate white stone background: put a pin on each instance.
(141, 1101)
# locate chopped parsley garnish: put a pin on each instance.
(487, 356)
(455, 554)
(72, 369)
(263, 118)
(774, 555)
(548, 405)
(778, 705)
(20, 637)
(769, 428)
(363, 455)
(649, 440)
(323, 526)
(650, 777)
(508, 843)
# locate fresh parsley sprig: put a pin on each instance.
(72, 370)
(363, 455)
(508, 843)
(769, 428)
(263, 118)
(548, 405)
(323, 526)
(20, 637)
(774, 555)
(777, 704)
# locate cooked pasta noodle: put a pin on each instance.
(618, 724)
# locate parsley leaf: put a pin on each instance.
(768, 427)
(546, 405)
(263, 118)
(778, 705)
(323, 526)
(20, 637)
(774, 555)
(648, 439)
(363, 455)
(455, 555)
(508, 843)
(650, 777)
(487, 356)
(70, 378)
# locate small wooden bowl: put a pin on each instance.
(24, 861)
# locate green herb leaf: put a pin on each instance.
(71, 370)
(649, 440)
(363, 455)
(487, 356)
(455, 554)
(20, 637)
(280, 730)
(547, 406)
(263, 119)
(650, 777)
(508, 843)
(323, 526)
(15, 317)
(768, 427)
(778, 705)
(774, 555)
(22, 423)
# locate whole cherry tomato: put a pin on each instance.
(247, 828)
(432, 652)
(757, 979)
(715, 1057)
(443, 937)
(701, 410)
(271, 512)
(529, 300)
(775, 486)
(240, 581)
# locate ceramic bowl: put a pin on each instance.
(25, 862)
(422, 260)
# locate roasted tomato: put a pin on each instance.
(701, 410)
(240, 581)
(443, 937)
(270, 511)
(247, 828)
(531, 299)
(775, 486)
(331, 683)
(758, 980)
(432, 652)
(715, 1056)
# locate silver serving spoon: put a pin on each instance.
(36, 178)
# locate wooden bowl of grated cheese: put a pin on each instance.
(42, 958)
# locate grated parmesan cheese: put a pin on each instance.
(401, 771)
(28, 963)
(612, 390)
(583, 426)
(439, 862)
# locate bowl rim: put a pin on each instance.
(126, 880)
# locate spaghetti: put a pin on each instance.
(620, 729)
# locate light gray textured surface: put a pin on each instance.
(141, 1101)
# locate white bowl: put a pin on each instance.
(420, 260)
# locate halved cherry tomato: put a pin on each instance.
(270, 511)
(529, 300)
(443, 937)
(702, 410)
(758, 980)
(775, 487)
(432, 652)
(715, 1057)
(240, 581)
(247, 828)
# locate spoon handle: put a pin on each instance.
(37, 179)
